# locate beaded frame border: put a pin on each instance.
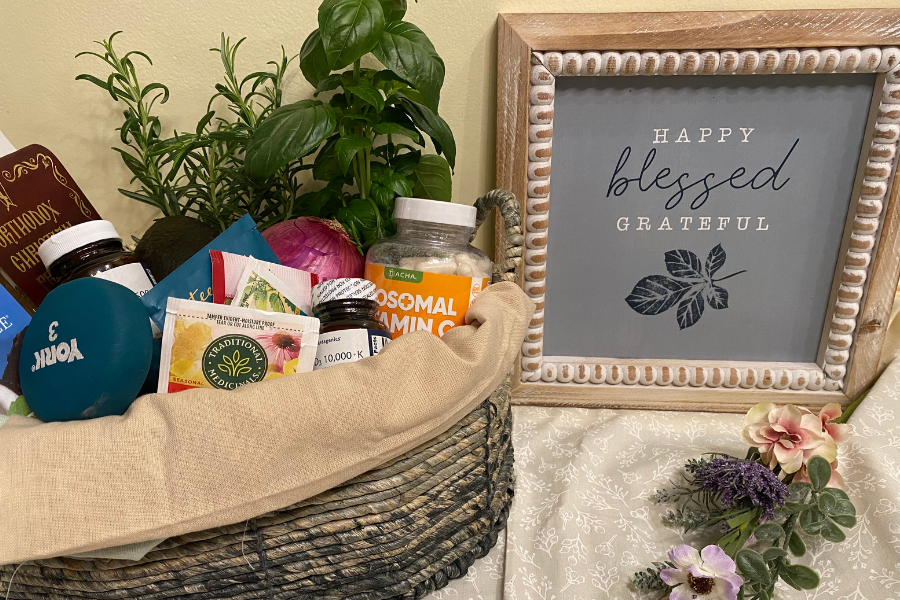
(869, 199)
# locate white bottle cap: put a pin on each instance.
(73, 238)
(345, 288)
(435, 211)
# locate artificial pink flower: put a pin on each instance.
(786, 436)
(280, 347)
(839, 432)
(836, 481)
(708, 574)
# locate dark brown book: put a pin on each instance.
(38, 198)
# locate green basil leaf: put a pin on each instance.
(394, 10)
(349, 29)
(312, 59)
(19, 407)
(774, 553)
(368, 94)
(407, 163)
(332, 82)
(768, 532)
(819, 472)
(433, 178)
(407, 51)
(326, 166)
(433, 125)
(289, 133)
(320, 203)
(800, 577)
(832, 532)
(397, 129)
(799, 491)
(796, 545)
(347, 147)
(399, 184)
(752, 566)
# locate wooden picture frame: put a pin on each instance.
(535, 49)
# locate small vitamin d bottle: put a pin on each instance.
(94, 249)
(349, 329)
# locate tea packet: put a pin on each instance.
(227, 269)
(261, 289)
(193, 279)
(226, 347)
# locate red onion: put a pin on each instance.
(317, 246)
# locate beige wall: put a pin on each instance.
(40, 101)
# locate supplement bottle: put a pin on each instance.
(349, 329)
(94, 249)
(427, 274)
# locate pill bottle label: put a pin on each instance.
(413, 300)
(349, 345)
(136, 279)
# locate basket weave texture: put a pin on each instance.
(399, 531)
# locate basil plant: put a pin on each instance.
(370, 134)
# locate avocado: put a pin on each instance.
(170, 241)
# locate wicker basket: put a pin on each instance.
(399, 531)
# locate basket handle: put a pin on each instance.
(513, 241)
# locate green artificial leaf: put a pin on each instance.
(812, 521)
(800, 577)
(433, 178)
(832, 532)
(349, 29)
(819, 472)
(796, 545)
(347, 147)
(433, 125)
(768, 532)
(799, 491)
(843, 513)
(19, 407)
(752, 566)
(774, 553)
(407, 51)
(840, 495)
(826, 501)
(742, 518)
(313, 62)
(368, 94)
(289, 133)
(394, 10)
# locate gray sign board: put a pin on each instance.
(699, 217)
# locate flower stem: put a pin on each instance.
(845, 416)
(728, 276)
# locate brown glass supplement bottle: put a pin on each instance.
(94, 249)
(349, 329)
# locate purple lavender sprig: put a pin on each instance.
(737, 482)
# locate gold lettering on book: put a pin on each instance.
(42, 160)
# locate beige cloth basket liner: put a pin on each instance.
(178, 463)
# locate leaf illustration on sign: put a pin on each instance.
(691, 287)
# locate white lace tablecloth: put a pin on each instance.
(582, 522)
